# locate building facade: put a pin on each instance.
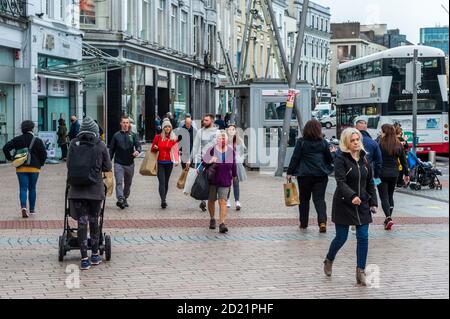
(349, 43)
(390, 38)
(171, 48)
(435, 37)
(316, 53)
(34, 35)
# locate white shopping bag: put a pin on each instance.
(190, 180)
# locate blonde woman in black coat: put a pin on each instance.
(354, 200)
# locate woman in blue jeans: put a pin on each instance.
(354, 201)
(28, 173)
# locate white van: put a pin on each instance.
(322, 110)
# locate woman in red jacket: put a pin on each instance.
(166, 144)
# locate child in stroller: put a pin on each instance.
(423, 174)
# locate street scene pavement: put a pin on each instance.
(173, 254)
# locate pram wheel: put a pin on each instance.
(108, 247)
(61, 249)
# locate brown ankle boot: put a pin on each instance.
(328, 267)
(361, 277)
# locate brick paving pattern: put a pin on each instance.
(172, 254)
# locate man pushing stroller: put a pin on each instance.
(87, 159)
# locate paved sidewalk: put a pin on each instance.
(172, 253)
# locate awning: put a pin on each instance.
(54, 77)
(94, 61)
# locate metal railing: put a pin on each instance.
(13, 8)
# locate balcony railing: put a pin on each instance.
(13, 8)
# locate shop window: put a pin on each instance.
(276, 111)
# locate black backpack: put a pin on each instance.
(83, 168)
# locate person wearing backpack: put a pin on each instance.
(312, 163)
(88, 158)
(124, 148)
(28, 172)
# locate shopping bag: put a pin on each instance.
(182, 180)
(108, 179)
(149, 166)
(200, 189)
(190, 180)
(291, 194)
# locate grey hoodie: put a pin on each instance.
(203, 141)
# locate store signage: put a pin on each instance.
(41, 86)
(50, 141)
(58, 88)
(419, 91)
(275, 92)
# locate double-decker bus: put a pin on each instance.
(374, 87)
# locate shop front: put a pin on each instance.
(6, 116)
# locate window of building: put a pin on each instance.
(184, 30)
(353, 52)
(130, 16)
(95, 13)
(174, 27)
(196, 35)
(146, 7)
(162, 22)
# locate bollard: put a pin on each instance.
(432, 157)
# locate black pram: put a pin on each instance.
(69, 239)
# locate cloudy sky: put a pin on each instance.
(407, 15)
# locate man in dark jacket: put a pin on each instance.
(74, 127)
(28, 173)
(124, 148)
(371, 146)
(85, 201)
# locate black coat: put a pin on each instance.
(354, 179)
(311, 158)
(38, 152)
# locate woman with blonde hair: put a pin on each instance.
(354, 201)
(220, 160)
(166, 144)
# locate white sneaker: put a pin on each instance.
(238, 205)
(228, 204)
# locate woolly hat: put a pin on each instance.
(89, 125)
(166, 123)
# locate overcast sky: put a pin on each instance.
(407, 15)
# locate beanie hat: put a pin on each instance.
(166, 123)
(89, 125)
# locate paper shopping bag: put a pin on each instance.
(291, 194)
(149, 166)
(108, 179)
(182, 180)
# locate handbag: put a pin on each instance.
(291, 194)
(200, 189)
(23, 156)
(182, 180)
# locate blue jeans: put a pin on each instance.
(27, 185)
(362, 246)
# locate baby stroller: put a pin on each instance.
(423, 174)
(69, 239)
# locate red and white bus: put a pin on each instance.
(374, 87)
